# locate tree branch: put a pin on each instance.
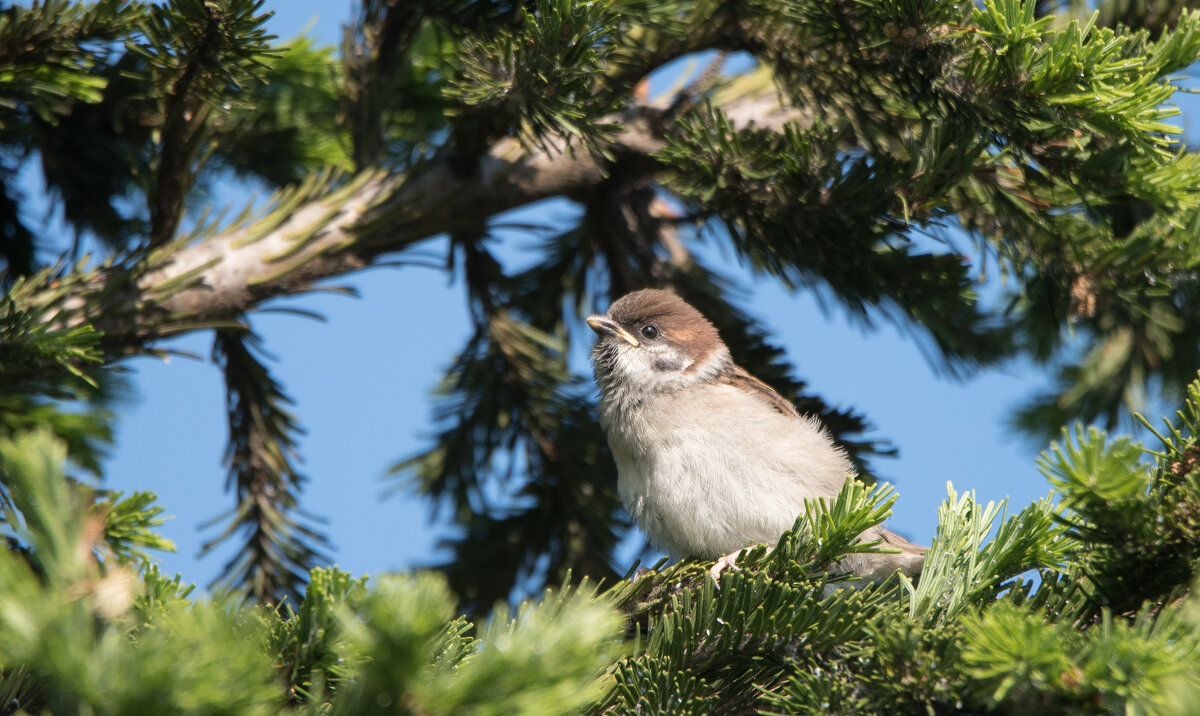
(325, 229)
(218, 278)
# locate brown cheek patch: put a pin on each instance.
(697, 343)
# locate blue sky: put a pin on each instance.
(362, 383)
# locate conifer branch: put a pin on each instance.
(203, 50)
(279, 549)
(183, 286)
(372, 48)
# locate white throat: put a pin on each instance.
(633, 378)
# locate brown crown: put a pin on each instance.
(679, 322)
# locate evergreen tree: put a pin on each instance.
(866, 126)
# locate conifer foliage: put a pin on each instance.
(1043, 610)
(889, 154)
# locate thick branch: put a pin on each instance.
(221, 277)
(344, 229)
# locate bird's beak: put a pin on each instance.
(603, 324)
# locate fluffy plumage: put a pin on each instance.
(710, 459)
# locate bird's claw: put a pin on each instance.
(728, 561)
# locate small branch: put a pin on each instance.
(178, 143)
(371, 57)
(166, 204)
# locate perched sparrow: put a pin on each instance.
(711, 459)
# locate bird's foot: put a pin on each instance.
(729, 561)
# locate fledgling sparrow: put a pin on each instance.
(710, 459)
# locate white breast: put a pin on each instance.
(711, 469)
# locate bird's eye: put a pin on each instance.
(650, 331)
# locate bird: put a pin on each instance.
(711, 460)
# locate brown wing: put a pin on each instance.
(737, 376)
